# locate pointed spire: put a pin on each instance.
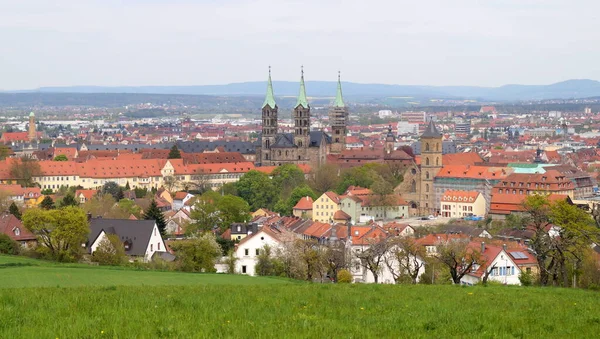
(339, 99)
(302, 101)
(431, 131)
(270, 97)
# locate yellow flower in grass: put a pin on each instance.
(362, 308)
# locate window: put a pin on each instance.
(244, 269)
(257, 251)
(17, 232)
(427, 161)
(427, 147)
(151, 247)
(158, 247)
(246, 251)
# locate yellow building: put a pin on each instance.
(325, 207)
(459, 204)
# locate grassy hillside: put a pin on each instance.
(226, 306)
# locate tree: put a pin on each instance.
(47, 203)
(174, 153)
(257, 189)
(458, 257)
(154, 213)
(14, 210)
(230, 260)
(197, 254)
(336, 258)
(264, 262)
(24, 170)
(127, 187)
(69, 200)
(170, 182)
(61, 232)
(406, 259)
(7, 245)
(113, 189)
(205, 214)
(101, 205)
(110, 251)
(286, 178)
(232, 209)
(285, 207)
(324, 178)
(128, 208)
(372, 257)
(313, 258)
(61, 157)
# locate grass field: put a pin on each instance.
(213, 306)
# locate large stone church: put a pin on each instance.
(303, 146)
(417, 187)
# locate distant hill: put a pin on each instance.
(581, 88)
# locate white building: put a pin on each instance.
(250, 247)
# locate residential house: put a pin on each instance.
(399, 230)
(304, 207)
(325, 207)
(14, 228)
(364, 208)
(239, 231)
(459, 204)
(499, 264)
(179, 200)
(141, 238)
(84, 196)
(249, 248)
(177, 221)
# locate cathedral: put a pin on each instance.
(417, 187)
(303, 146)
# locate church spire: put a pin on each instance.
(339, 100)
(302, 101)
(270, 97)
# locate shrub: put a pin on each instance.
(7, 245)
(110, 251)
(344, 277)
(526, 278)
(197, 255)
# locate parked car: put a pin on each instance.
(431, 217)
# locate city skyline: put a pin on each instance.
(169, 43)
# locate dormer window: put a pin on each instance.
(17, 231)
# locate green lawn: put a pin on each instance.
(214, 306)
(25, 272)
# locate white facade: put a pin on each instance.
(249, 249)
(156, 244)
(505, 271)
(361, 274)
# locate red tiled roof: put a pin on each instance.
(469, 158)
(304, 203)
(9, 225)
(460, 196)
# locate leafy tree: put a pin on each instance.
(69, 200)
(61, 157)
(229, 188)
(127, 187)
(230, 261)
(47, 203)
(154, 213)
(325, 178)
(174, 153)
(257, 189)
(205, 214)
(232, 209)
(113, 189)
(24, 170)
(61, 232)
(128, 207)
(4, 152)
(313, 258)
(264, 262)
(7, 245)
(458, 257)
(284, 207)
(110, 251)
(286, 178)
(47, 191)
(337, 259)
(140, 192)
(406, 259)
(372, 257)
(101, 205)
(14, 210)
(197, 254)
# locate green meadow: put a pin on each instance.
(46, 300)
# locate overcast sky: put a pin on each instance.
(201, 42)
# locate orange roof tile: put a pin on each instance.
(304, 203)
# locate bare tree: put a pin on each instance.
(372, 257)
(458, 257)
(406, 259)
(336, 256)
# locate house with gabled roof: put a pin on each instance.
(15, 229)
(250, 247)
(325, 207)
(140, 238)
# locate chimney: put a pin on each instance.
(482, 246)
(89, 216)
(504, 247)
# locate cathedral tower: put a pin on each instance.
(269, 122)
(32, 133)
(338, 116)
(301, 117)
(431, 163)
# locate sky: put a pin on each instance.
(204, 42)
